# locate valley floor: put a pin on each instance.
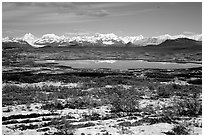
(57, 100)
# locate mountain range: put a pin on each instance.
(95, 40)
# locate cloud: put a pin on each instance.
(94, 13)
(100, 13)
(40, 4)
(79, 9)
(96, 5)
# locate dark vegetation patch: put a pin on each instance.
(178, 129)
(71, 77)
(93, 116)
(16, 121)
(196, 81)
(124, 100)
(43, 129)
(166, 91)
(65, 126)
(20, 116)
(25, 127)
(190, 107)
(102, 78)
(148, 120)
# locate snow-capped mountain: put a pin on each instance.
(96, 40)
(197, 37)
(131, 38)
(48, 39)
(151, 40)
(13, 40)
(159, 39)
(166, 36)
(9, 39)
(106, 37)
(29, 38)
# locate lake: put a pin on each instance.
(120, 64)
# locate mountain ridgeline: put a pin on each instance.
(103, 40)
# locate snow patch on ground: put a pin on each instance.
(7, 131)
(23, 110)
(49, 83)
(155, 129)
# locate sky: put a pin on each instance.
(87, 18)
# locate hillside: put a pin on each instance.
(179, 44)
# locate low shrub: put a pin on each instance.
(180, 130)
(53, 106)
(188, 107)
(65, 129)
(93, 116)
(124, 101)
(165, 91)
(83, 102)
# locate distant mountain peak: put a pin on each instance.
(50, 36)
(97, 39)
(165, 36)
(108, 35)
(9, 39)
(28, 36)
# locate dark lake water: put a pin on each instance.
(120, 64)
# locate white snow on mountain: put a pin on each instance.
(13, 40)
(90, 39)
(9, 39)
(131, 39)
(152, 40)
(29, 38)
(196, 37)
(179, 36)
(159, 39)
(105, 39)
(166, 36)
(48, 38)
(108, 42)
